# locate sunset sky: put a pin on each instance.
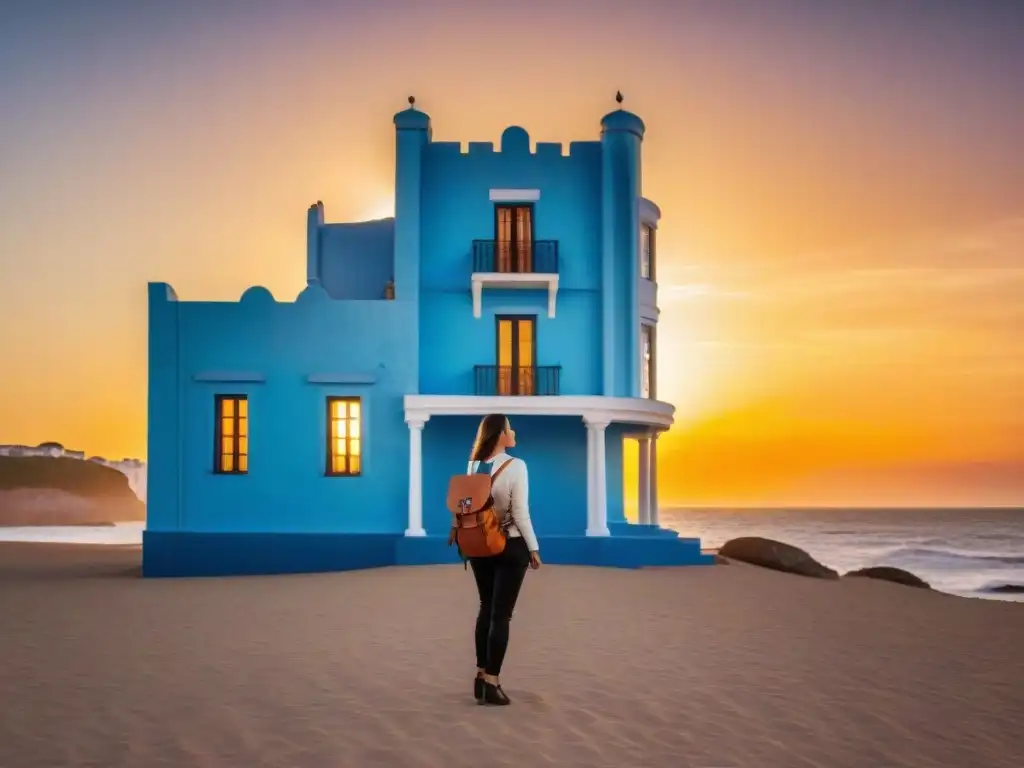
(841, 254)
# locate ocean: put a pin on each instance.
(961, 551)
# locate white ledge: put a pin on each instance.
(518, 280)
(650, 213)
(592, 409)
(515, 195)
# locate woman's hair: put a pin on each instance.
(487, 434)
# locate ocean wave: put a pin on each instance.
(964, 557)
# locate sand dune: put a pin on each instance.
(730, 666)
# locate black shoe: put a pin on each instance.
(478, 690)
(494, 696)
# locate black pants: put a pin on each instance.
(498, 580)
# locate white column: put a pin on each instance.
(644, 481)
(597, 476)
(653, 485)
(415, 477)
(590, 477)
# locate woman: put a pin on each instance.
(499, 578)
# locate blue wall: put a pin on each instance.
(266, 350)
(554, 449)
(341, 331)
(356, 260)
(588, 203)
(456, 209)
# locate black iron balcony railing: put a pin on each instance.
(509, 256)
(540, 380)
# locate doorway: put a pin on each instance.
(513, 238)
(517, 354)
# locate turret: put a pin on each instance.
(412, 133)
(314, 221)
(622, 134)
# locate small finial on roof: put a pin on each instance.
(412, 102)
(618, 96)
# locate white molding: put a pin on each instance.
(592, 409)
(646, 288)
(515, 195)
(647, 299)
(650, 213)
(517, 280)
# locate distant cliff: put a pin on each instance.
(46, 490)
(133, 469)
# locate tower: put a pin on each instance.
(412, 133)
(622, 135)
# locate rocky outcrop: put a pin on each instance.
(38, 490)
(776, 555)
(1005, 589)
(889, 573)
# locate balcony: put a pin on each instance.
(509, 264)
(507, 380)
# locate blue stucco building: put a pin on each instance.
(320, 433)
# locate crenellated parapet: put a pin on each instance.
(515, 145)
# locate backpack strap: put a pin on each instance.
(501, 469)
(506, 519)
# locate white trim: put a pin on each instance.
(521, 280)
(646, 288)
(648, 300)
(592, 408)
(515, 195)
(650, 213)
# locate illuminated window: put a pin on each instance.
(517, 355)
(231, 438)
(647, 252)
(344, 436)
(647, 361)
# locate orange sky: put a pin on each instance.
(841, 255)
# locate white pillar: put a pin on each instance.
(644, 481)
(590, 477)
(653, 485)
(415, 477)
(597, 479)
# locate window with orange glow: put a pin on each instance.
(517, 355)
(231, 435)
(344, 436)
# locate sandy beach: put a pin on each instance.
(715, 667)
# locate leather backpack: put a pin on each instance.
(477, 528)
